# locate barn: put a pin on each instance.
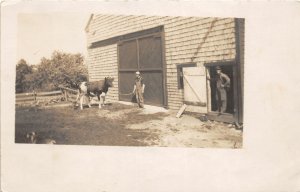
(174, 55)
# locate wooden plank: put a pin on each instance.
(181, 110)
(126, 37)
(49, 93)
(68, 89)
(194, 103)
(24, 96)
(24, 99)
(47, 97)
(218, 63)
(224, 117)
(239, 34)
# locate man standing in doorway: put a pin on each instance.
(222, 86)
(138, 89)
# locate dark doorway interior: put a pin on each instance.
(228, 70)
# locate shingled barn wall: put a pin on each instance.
(187, 39)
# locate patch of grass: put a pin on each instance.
(83, 127)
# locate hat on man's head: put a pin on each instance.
(138, 73)
(218, 68)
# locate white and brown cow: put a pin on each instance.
(93, 89)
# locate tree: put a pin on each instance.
(67, 67)
(60, 69)
(22, 69)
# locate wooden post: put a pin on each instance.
(34, 95)
(65, 93)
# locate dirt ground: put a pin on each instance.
(123, 125)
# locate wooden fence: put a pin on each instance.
(64, 94)
(69, 94)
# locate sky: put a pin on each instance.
(40, 34)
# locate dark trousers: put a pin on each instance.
(222, 101)
(140, 98)
(222, 106)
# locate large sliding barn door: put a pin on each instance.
(142, 54)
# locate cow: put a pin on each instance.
(93, 89)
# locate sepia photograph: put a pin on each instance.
(140, 96)
(129, 80)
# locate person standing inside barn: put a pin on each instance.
(222, 86)
(138, 89)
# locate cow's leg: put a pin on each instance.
(81, 102)
(89, 102)
(102, 96)
(99, 100)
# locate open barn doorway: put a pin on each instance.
(227, 70)
(222, 101)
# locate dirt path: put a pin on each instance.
(123, 125)
(189, 131)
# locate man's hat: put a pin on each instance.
(218, 68)
(138, 73)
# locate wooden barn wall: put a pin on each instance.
(204, 39)
(102, 62)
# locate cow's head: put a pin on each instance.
(109, 81)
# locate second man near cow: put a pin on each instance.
(138, 89)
